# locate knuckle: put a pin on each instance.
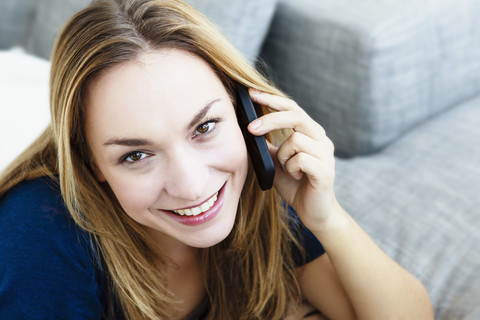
(300, 158)
(330, 145)
(300, 162)
(294, 105)
(295, 137)
(292, 165)
(320, 130)
(288, 102)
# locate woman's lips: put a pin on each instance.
(187, 217)
(196, 210)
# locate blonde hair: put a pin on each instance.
(251, 273)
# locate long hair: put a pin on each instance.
(251, 273)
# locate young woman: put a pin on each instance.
(139, 201)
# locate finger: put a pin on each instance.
(273, 150)
(298, 120)
(320, 174)
(304, 162)
(282, 178)
(298, 142)
(291, 117)
(272, 101)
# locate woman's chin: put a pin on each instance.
(212, 238)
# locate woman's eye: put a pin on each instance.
(134, 156)
(205, 127)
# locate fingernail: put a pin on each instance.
(255, 124)
(254, 92)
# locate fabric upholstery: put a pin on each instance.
(36, 24)
(48, 24)
(244, 23)
(371, 70)
(419, 200)
(16, 20)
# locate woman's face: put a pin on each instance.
(164, 136)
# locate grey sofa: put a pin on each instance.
(396, 85)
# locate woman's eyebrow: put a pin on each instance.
(127, 142)
(201, 114)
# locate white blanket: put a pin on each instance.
(24, 105)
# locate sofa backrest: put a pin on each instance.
(35, 24)
(369, 70)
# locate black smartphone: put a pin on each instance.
(256, 145)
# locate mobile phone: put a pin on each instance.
(256, 145)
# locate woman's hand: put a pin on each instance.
(304, 163)
(369, 283)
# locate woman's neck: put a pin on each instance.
(184, 272)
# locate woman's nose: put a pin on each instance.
(187, 176)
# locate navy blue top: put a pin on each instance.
(48, 268)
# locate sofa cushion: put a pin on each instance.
(36, 24)
(50, 17)
(419, 200)
(370, 70)
(16, 19)
(244, 23)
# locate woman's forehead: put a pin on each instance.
(160, 88)
(160, 75)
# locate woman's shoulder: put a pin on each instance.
(34, 210)
(47, 265)
(29, 193)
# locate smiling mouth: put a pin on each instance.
(194, 211)
(202, 213)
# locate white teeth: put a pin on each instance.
(197, 210)
(204, 207)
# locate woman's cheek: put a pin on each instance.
(134, 195)
(233, 152)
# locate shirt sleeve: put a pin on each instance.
(312, 248)
(47, 268)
